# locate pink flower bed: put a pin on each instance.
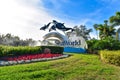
(30, 57)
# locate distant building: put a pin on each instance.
(118, 34)
(118, 30)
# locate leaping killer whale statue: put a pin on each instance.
(56, 25)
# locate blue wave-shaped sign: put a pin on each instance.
(74, 50)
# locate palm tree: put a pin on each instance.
(95, 27)
(105, 30)
(115, 20)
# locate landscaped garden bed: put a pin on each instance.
(75, 67)
(29, 58)
(10, 55)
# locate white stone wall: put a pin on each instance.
(119, 36)
(77, 38)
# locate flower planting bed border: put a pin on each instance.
(26, 59)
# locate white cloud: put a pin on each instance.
(22, 18)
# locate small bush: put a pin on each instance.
(53, 49)
(112, 57)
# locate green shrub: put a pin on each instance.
(92, 48)
(20, 50)
(106, 44)
(112, 57)
(54, 49)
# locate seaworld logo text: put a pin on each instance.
(69, 43)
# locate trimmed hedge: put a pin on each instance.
(20, 50)
(112, 57)
(54, 49)
(13, 51)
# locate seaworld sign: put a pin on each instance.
(71, 43)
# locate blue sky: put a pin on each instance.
(25, 17)
(91, 11)
(86, 12)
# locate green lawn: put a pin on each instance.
(75, 67)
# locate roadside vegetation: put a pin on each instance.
(75, 67)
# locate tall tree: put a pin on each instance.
(105, 30)
(82, 31)
(95, 27)
(115, 20)
(9, 39)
